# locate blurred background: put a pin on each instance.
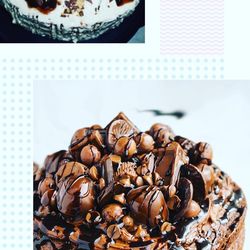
(217, 112)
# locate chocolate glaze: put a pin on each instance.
(44, 6)
(85, 200)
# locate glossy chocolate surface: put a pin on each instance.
(159, 192)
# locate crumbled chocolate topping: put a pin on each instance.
(120, 188)
(71, 6)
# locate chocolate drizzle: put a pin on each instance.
(138, 198)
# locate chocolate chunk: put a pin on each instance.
(168, 165)
(112, 213)
(76, 196)
(90, 155)
(109, 192)
(79, 140)
(208, 175)
(114, 232)
(125, 147)
(185, 194)
(145, 142)
(147, 205)
(54, 161)
(193, 210)
(46, 184)
(202, 153)
(185, 143)
(108, 171)
(148, 160)
(70, 169)
(126, 169)
(195, 176)
(162, 134)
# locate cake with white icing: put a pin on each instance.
(70, 20)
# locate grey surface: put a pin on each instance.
(139, 37)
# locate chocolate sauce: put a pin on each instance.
(178, 114)
(203, 244)
(44, 6)
(122, 2)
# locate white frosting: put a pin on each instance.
(107, 12)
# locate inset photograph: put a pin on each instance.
(77, 21)
(146, 165)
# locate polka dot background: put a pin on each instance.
(16, 82)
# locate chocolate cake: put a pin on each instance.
(120, 188)
(70, 20)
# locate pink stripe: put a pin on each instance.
(192, 27)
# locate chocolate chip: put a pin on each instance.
(120, 198)
(166, 227)
(93, 172)
(93, 217)
(128, 221)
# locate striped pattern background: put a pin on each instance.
(192, 27)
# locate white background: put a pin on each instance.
(217, 112)
(237, 40)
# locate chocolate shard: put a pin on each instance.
(149, 161)
(122, 116)
(119, 127)
(185, 193)
(126, 169)
(107, 171)
(107, 194)
(55, 160)
(193, 174)
(79, 139)
(70, 169)
(185, 143)
(201, 153)
(169, 164)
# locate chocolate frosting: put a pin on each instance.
(120, 188)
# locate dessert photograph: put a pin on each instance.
(148, 165)
(72, 21)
